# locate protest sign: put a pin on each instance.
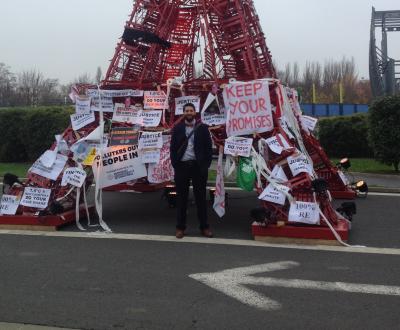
(82, 105)
(155, 100)
(163, 170)
(212, 114)
(36, 197)
(150, 156)
(119, 165)
(81, 120)
(121, 136)
(248, 108)
(9, 204)
(273, 195)
(73, 176)
(278, 174)
(304, 212)
(115, 93)
(299, 164)
(151, 118)
(277, 143)
(52, 172)
(308, 123)
(181, 101)
(238, 146)
(127, 114)
(285, 126)
(219, 197)
(150, 140)
(107, 104)
(90, 156)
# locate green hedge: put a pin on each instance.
(25, 133)
(345, 136)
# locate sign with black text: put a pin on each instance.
(122, 136)
(181, 101)
(36, 197)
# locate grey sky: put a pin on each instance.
(66, 38)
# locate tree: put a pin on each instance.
(99, 75)
(7, 86)
(384, 130)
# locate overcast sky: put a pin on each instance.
(66, 38)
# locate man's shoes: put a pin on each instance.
(179, 233)
(207, 233)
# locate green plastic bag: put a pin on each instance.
(246, 175)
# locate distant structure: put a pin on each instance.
(384, 71)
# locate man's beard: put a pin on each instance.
(189, 118)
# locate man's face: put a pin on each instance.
(189, 113)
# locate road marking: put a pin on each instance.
(200, 240)
(232, 283)
(23, 326)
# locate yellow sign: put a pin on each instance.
(90, 157)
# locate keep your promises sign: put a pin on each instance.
(248, 108)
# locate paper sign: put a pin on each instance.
(150, 156)
(285, 126)
(304, 212)
(36, 197)
(163, 170)
(279, 174)
(119, 165)
(181, 101)
(150, 140)
(155, 100)
(115, 93)
(107, 104)
(151, 118)
(273, 195)
(238, 146)
(81, 120)
(9, 204)
(277, 143)
(308, 123)
(82, 105)
(248, 108)
(51, 173)
(90, 156)
(130, 114)
(48, 158)
(73, 176)
(121, 136)
(299, 164)
(211, 114)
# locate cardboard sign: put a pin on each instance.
(308, 123)
(299, 164)
(155, 100)
(73, 176)
(277, 143)
(82, 105)
(107, 104)
(279, 174)
(181, 101)
(248, 108)
(119, 165)
(238, 146)
(9, 204)
(163, 170)
(115, 93)
(273, 195)
(150, 156)
(150, 140)
(36, 197)
(212, 114)
(127, 114)
(81, 120)
(304, 212)
(51, 173)
(151, 118)
(122, 136)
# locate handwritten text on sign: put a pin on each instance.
(36, 197)
(155, 100)
(150, 140)
(237, 146)
(81, 120)
(248, 108)
(274, 195)
(299, 164)
(73, 176)
(304, 212)
(9, 204)
(181, 101)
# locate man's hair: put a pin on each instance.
(189, 105)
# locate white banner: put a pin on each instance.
(9, 204)
(273, 195)
(82, 105)
(238, 146)
(73, 176)
(308, 123)
(81, 120)
(131, 114)
(150, 156)
(163, 170)
(115, 93)
(107, 104)
(36, 197)
(219, 197)
(51, 173)
(304, 212)
(155, 100)
(249, 108)
(299, 164)
(119, 165)
(212, 114)
(151, 118)
(150, 140)
(181, 101)
(285, 126)
(277, 143)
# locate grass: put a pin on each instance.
(367, 165)
(18, 169)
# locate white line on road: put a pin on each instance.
(200, 240)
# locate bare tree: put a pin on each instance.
(7, 86)
(99, 75)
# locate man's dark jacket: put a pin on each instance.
(202, 144)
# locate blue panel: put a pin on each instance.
(362, 108)
(320, 110)
(348, 109)
(334, 110)
(307, 109)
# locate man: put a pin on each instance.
(191, 155)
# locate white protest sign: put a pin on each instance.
(285, 126)
(48, 158)
(9, 204)
(73, 176)
(155, 100)
(151, 118)
(248, 108)
(131, 114)
(308, 123)
(36, 197)
(82, 105)
(163, 170)
(150, 140)
(81, 120)
(238, 146)
(120, 164)
(299, 164)
(279, 174)
(115, 93)
(277, 143)
(150, 156)
(181, 101)
(304, 212)
(273, 195)
(107, 104)
(212, 114)
(52, 172)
